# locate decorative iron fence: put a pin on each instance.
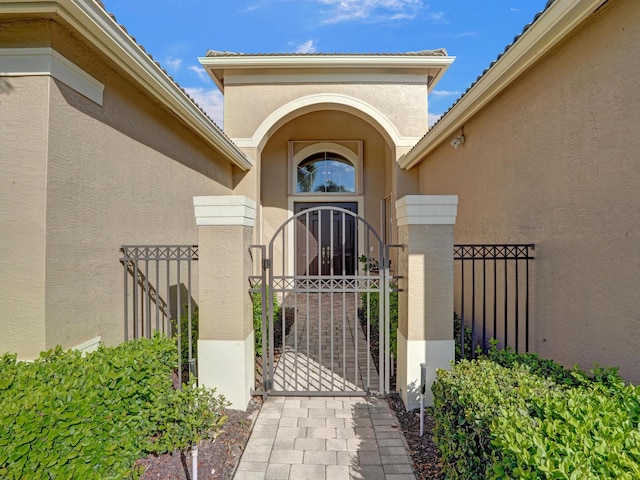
(492, 293)
(158, 296)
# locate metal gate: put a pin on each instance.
(325, 274)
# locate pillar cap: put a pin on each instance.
(427, 210)
(224, 210)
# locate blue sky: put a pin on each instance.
(176, 32)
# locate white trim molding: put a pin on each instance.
(437, 354)
(88, 346)
(228, 366)
(45, 61)
(224, 210)
(425, 69)
(427, 210)
(555, 23)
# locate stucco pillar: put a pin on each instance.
(226, 358)
(425, 302)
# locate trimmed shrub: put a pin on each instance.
(374, 314)
(184, 333)
(499, 422)
(577, 433)
(550, 369)
(257, 318)
(466, 401)
(468, 337)
(69, 416)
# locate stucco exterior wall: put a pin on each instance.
(23, 143)
(554, 161)
(121, 173)
(404, 105)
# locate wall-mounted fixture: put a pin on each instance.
(456, 142)
(459, 140)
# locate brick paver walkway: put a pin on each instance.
(309, 438)
(326, 349)
(325, 437)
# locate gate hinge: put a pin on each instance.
(266, 264)
(268, 384)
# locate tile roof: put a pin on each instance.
(440, 52)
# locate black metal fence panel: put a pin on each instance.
(492, 295)
(158, 296)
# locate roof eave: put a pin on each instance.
(325, 61)
(98, 27)
(553, 25)
(216, 66)
(434, 81)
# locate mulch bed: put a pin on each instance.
(217, 459)
(424, 453)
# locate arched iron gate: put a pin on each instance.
(324, 272)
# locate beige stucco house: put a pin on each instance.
(100, 148)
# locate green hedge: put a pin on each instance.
(498, 422)
(580, 433)
(184, 333)
(538, 366)
(374, 312)
(257, 318)
(69, 416)
(468, 339)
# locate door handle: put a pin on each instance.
(326, 257)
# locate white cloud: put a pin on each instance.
(433, 118)
(465, 34)
(445, 93)
(173, 64)
(200, 72)
(250, 8)
(306, 47)
(436, 16)
(211, 101)
(348, 10)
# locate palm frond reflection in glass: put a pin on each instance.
(325, 172)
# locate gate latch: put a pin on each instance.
(266, 263)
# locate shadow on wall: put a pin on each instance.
(128, 112)
(152, 306)
(413, 396)
(5, 86)
(185, 299)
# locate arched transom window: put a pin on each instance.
(325, 168)
(325, 172)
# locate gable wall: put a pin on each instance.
(554, 161)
